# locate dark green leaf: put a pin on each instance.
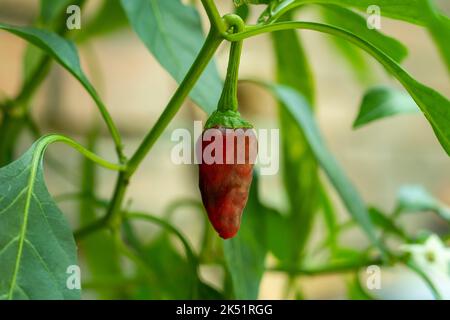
(245, 253)
(382, 102)
(36, 243)
(170, 272)
(172, 32)
(301, 112)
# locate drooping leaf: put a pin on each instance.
(65, 53)
(381, 102)
(172, 32)
(407, 10)
(36, 243)
(245, 253)
(421, 12)
(300, 174)
(300, 111)
(416, 199)
(434, 105)
(356, 24)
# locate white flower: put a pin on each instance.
(432, 255)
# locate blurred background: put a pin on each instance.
(378, 158)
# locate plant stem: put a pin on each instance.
(228, 99)
(214, 16)
(326, 269)
(209, 48)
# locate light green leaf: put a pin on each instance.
(172, 32)
(66, 55)
(36, 243)
(416, 199)
(300, 111)
(245, 253)
(381, 102)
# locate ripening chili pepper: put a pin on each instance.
(231, 145)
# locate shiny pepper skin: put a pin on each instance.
(225, 184)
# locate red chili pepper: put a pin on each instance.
(225, 184)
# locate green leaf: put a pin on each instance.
(50, 9)
(171, 271)
(65, 53)
(420, 12)
(356, 24)
(439, 27)
(300, 173)
(417, 199)
(300, 111)
(110, 17)
(407, 10)
(245, 253)
(435, 107)
(172, 32)
(36, 243)
(277, 226)
(381, 102)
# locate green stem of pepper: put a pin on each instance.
(228, 99)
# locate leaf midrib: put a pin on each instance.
(31, 181)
